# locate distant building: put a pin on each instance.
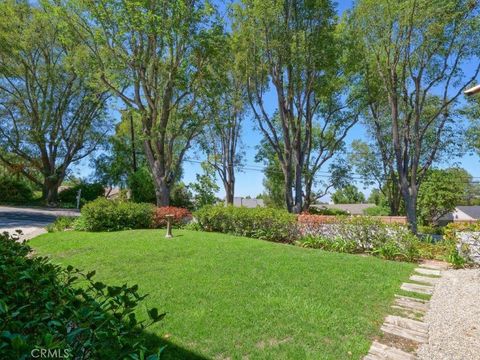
(352, 209)
(462, 213)
(249, 203)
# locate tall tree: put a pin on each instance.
(414, 52)
(374, 163)
(440, 193)
(290, 46)
(222, 136)
(50, 113)
(348, 195)
(157, 57)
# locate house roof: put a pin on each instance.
(472, 211)
(353, 209)
(249, 203)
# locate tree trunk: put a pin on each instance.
(288, 189)
(50, 190)
(297, 207)
(229, 191)
(162, 192)
(410, 198)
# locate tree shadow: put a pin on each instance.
(171, 351)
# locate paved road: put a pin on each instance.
(32, 221)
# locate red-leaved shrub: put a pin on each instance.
(181, 216)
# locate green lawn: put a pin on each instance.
(230, 297)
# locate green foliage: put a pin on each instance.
(439, 193)
(376, 211)
(181, 196)
(111, 215)
(359, 234)
(141, 186)
(62, 223)
(348, 195)
(14, 191)
(89, 192)
(205, 187)
(43, 305)
(261, 223)
(456, 259)
(274, 182)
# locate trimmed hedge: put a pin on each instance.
(45, 306)
(114, 215)
(261, 223)
(14, 191)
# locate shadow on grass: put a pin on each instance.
(171, 350)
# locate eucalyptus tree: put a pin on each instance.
(414, 53)
(156, 56)
(51, 113)
(291, 47)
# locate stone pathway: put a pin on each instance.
(405, 331)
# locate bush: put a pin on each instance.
(376, 211)
(358, 234)
(141, 186)
(14, 191)
(450, 231)
(89, 192)
(45, 306)
(181, 216)
(62, 223)
(113, 215)
(261, 223)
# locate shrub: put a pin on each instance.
(89, 192)
(181, 216)
(450, 231)
(45, 306)
(113, 215)
(376, 211)
(14, 191)
(62, 223)
(358, 234)
(261, 223)
(141, 186)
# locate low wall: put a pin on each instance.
(468, 245)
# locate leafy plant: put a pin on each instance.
(88, 192)
(46, 306)
(180, 217)
(14, 191)
(62, 223)
(114, 215)
(261, 223)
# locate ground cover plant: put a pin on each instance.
(228, 296)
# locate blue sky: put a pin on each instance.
(250, 182)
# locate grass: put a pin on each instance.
(229, 297)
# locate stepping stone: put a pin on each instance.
(409, 312)
(411, 303)
(427, 271)
(407, 323)
(422, 289)
(424, 279)
(418, 336)
(434, 265)
(384, 352)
